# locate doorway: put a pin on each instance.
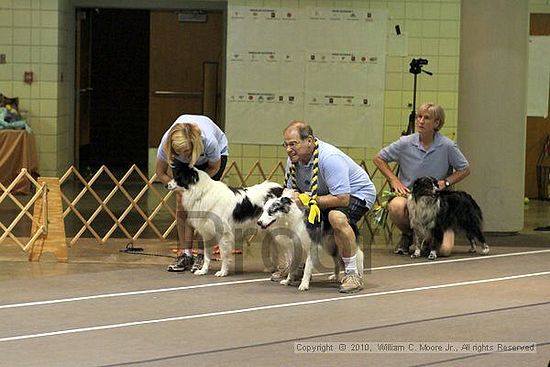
(113, 85)
(185, 69)
(137, 71)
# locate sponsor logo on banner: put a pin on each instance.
(263, 13)
(260, 97)
(237, 15)
(236, 57)
(286, 98)
(255, 56)
(317, 14)
(352, 15)
(331, 100)
(287, 14)
(320, 57)
(336, 14)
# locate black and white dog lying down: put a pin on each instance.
(433, 211)
(216, 211)
(282, 209)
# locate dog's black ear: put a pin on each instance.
(286, 200)
(280, 205)
(416, 184)
(184, 174)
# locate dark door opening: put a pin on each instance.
(118, 89)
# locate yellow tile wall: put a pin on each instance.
(34, 36)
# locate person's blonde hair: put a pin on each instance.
(437, 112)
(184, 136)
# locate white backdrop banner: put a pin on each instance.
(322, 65)
(539, 76)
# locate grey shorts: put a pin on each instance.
(356, 209)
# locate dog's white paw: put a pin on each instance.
(284, 281)
(201, 272)
(304, 286)
(334, 278)
(432, 255)
(416, 253)
(221, 273)
(485, 250)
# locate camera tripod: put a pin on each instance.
(415, 69)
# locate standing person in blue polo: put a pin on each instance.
(337, 187)
(197, 140)
(424, 153)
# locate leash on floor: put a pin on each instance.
(130, 249)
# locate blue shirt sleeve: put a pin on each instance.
(457, 160)
(392, 152)
(288, 182)
(211, 150)
(161, 154)
(336, 175)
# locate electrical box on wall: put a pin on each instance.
(2, 58)
(28, 77)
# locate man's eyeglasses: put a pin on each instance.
(292, 144)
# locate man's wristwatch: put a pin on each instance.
(447, 184)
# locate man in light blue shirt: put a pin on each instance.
(340, 188)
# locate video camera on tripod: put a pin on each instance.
(415, 69)
(416, 65)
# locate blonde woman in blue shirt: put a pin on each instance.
(196, 140)
(425, 153)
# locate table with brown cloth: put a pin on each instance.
(17, 150)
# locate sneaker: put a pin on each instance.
(183, 263)
(404, 243)
(351, 283)
(197, 263)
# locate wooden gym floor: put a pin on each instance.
(109, 308)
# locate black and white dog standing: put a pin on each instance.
(280, 210)
(433, 211)
(217, 211)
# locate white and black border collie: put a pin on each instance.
(433, 211)
(280, 210)
(216, 211)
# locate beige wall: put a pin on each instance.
(35, 36)
(490, 111)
